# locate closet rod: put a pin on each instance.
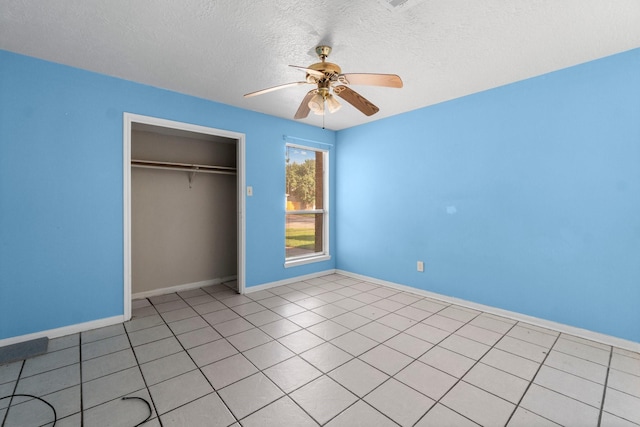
(194, 168)
(187, 169)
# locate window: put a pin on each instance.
(306, 215)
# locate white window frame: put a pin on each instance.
(324, 254)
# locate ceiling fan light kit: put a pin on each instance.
(317, 104)
(332, 104)
(328, 78)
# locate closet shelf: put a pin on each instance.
(223, 170)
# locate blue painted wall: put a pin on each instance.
(61, 209)
(525, 197)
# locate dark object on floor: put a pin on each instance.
(11, 396)
(148, 406)
(23, 350)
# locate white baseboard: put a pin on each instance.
(181, 288)
(65, 330)
(543, 323)
(559, 327)
(250, 289)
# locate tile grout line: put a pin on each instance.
(583, 341)
(479, 313)
(44, 396)
(517, 323)
(342, 364)
(352, 357)
(15, 388)
(553, 367)
(478, 361)
(353, 310)
(360, 399)
(354, 330)
(382, 342)
(458, 380)
(261, 371)
(302, 290)
(295, 354)
(135, 356)
(199, 368)
(274, 339)
(604, 389)
(369, 322)
(531, 382)
(164, 322)
(81, 379)
(215, 390)
(415, 359)
(581, 358)
(299, 355)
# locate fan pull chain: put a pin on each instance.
(324, 112)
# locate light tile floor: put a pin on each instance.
(330, 351)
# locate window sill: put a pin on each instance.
(307, 260)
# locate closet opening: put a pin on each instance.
(183, 208)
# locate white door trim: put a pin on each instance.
(128, 119)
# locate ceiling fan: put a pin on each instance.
(328, 77)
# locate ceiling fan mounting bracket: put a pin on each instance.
(323, 52)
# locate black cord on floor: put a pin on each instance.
(55, 415)
(148, 406)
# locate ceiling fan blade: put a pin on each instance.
(271, 89)
(355, 99)
(303, 109)
(386, 80)
(315, 73)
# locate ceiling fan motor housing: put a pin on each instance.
(328, 68)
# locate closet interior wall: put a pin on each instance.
(183, 224)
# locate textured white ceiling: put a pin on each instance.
(222, 49)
